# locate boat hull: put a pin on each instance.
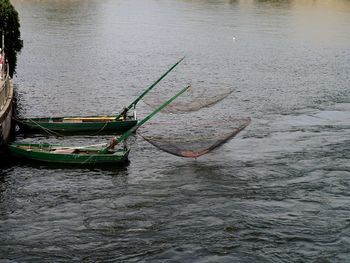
(87, 156)
(6, 110)
(96, 124)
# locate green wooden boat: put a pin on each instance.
(97, 124)
(68, 155)
(87, 155)
(77, 124)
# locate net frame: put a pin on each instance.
(172, 145)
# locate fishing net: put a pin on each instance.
(193, 100)
(191, 140)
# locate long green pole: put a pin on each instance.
(125, 135)
(148, 89)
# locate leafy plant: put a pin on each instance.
(9, 26)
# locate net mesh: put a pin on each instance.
(190, 140)
(192, 100)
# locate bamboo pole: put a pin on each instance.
(133, 104)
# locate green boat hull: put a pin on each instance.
(96, 124)
(48, 153)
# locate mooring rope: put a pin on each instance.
(48, 131)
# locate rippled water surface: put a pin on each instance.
(278, 192)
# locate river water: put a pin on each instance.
(278, 192)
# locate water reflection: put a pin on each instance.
(108, 169)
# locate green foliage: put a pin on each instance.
(9, 24)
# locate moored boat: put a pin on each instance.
(75, 124)
(6, 101)
(78, 124)
(68, 155)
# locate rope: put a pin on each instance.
(57, 134)
(100, 130)
(86, 161)
(48, 131)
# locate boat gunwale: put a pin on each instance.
(45, 148)
(118, 156)
(102, 119)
